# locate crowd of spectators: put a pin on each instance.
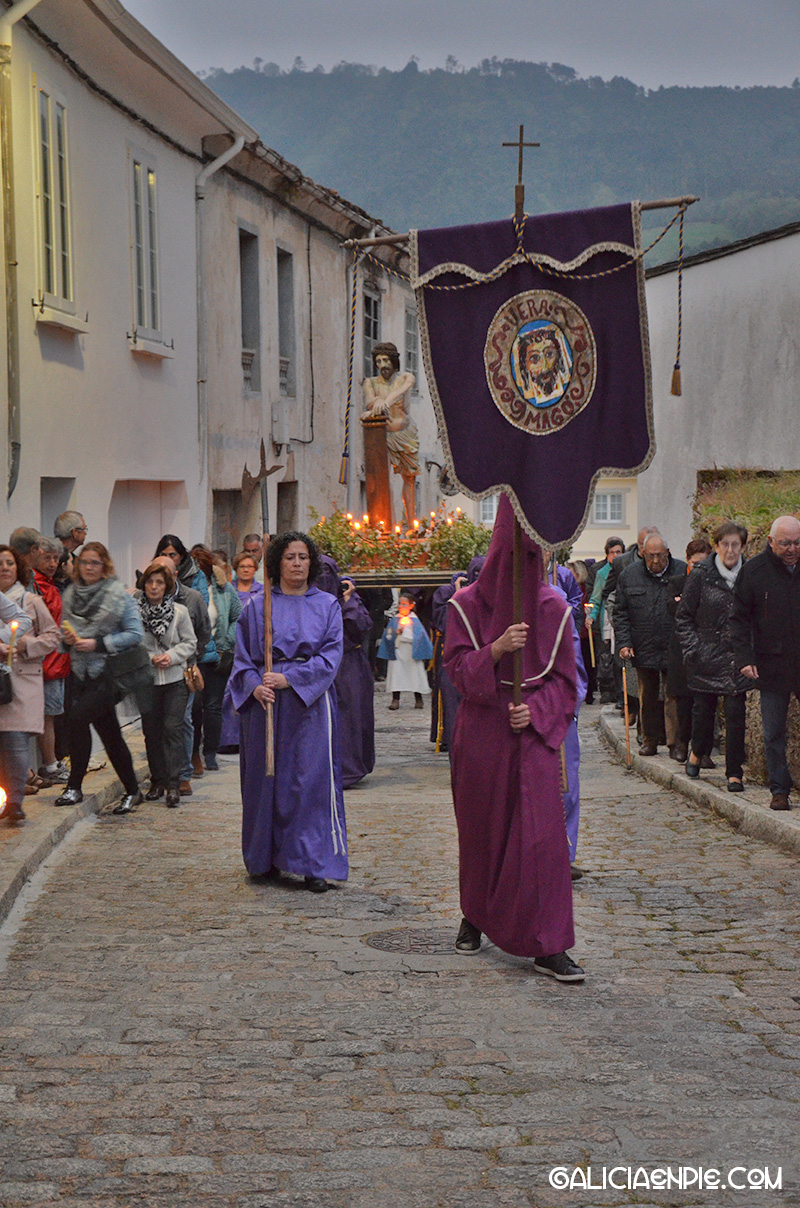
(694, 633)
(74, 643)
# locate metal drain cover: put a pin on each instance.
(426, 943)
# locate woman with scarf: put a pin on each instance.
(513, 851)
(169, 639)
(99, 618)
(703, 626)
(24, 714)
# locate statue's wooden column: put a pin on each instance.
(376, 466)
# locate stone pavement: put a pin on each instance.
(173, 1033)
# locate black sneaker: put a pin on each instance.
(560, 966)
(317, 884)
(468, 940)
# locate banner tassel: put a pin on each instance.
(344, 471)
(676, 372)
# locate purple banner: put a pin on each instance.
(540, 375)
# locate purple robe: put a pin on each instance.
(513, 853)
(355, 688)
(229, 735)
(294, 822)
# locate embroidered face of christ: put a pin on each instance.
(543, 366)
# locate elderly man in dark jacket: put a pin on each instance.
(643, 628)
(766, 641)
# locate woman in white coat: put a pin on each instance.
(170, 641)
(24, 715)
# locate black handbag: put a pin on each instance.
(131, 674)
(6, 693)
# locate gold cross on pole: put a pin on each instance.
(519, 188)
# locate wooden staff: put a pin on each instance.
(588, 609)
(268, 660)
(517, 608)
(627, 715)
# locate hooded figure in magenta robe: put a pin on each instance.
(513, 853)
(295, 821)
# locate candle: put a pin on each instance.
(416, 524)
(356, 525)
(449, 519)
(349, 515)
(366, 517)
(14, 628)
(397, 528)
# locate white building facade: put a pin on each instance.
(174, 293)
(740, 369)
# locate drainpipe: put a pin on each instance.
(7, 22)
(202, 345)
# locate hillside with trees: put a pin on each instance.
(423, 148)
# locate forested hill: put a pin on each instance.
(423, 148)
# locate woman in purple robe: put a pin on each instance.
(513, 852)
(355, 686)
(292, 822)
(355, 689)
(246, 586)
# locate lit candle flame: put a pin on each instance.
(14, 628)
(397, 528)
(356, 525)
(416, 524)
(449, 519)
(366, 517)
(349, 515)
(458, 511)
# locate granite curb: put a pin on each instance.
(748, 812)
(23, 851)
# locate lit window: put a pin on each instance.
(55, 243)
(147, 314)
(609, 507)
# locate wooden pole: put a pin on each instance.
(270, 731)
(517, 608)
(664, 203)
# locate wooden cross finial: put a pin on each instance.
(519, 189)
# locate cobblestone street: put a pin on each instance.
(173, 1033)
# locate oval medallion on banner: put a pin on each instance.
(541, 361)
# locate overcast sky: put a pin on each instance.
(650, 41)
